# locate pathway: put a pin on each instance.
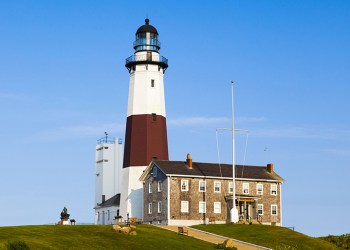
(214, 238)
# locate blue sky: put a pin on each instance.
(63, 83)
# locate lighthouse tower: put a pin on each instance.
(146, 134)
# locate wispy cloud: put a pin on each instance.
(191, 121)
(79, 131)
(14, 97)
(302, 133)
(250, 119)
(339, 152)
(205, 120)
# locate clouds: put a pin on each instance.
(206, 120)
(302, 133)
(197, 121)
(79, 131)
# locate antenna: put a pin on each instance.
(106, 136)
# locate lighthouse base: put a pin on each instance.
(131, 199)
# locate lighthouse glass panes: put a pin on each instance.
(146, 41)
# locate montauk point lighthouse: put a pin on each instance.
(146, 133)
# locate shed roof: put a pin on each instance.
(113, 201)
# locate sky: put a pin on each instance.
(63, 83)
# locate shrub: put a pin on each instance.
(17, 245)
(222, 246)
(342, 241)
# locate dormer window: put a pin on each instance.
(154, 171)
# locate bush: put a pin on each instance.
(17, 245)
(342, 241)
(222, 246)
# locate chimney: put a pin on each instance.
(189, 161)
(103, 198)
(270, 168)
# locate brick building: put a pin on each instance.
(188, 193)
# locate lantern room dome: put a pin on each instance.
(147, 28)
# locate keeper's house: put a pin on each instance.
(189, 193)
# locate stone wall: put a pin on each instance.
(194, 196)
(154, 198)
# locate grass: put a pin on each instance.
(268, 236)
(342, 241)
(97, 237)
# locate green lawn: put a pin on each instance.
(268, 236)
(98, 237)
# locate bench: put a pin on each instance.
(182, 231)
(211, 220)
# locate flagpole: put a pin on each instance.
(234, 211)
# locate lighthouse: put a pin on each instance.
(146, 133)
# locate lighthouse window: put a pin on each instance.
(154, 117)
(152, 83)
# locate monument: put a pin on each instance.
(64, 217)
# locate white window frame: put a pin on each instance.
(247, 187)
(274, 205)
(262, 209)
(186, 185)
(159, 207)
(199, 186)
(202, 207)
(259, 192)
(273, 189)
(219, 186)
(217, 207)
(159, 185)
(184, 206)
(150, 208)
(149, 187)
(230, 186)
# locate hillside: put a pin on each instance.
(342, 241)
(97, 237)
(268, 236)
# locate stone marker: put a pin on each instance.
(116, 228)
(125, 230)
(133, 233)
(229, 243)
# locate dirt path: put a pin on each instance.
(213, 238)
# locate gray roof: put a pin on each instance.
(216, 170)
(113, 201)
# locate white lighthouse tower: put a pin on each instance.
(146, 134)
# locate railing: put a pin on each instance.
(146, 58)
(105, 140)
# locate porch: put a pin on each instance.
(247, 207)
